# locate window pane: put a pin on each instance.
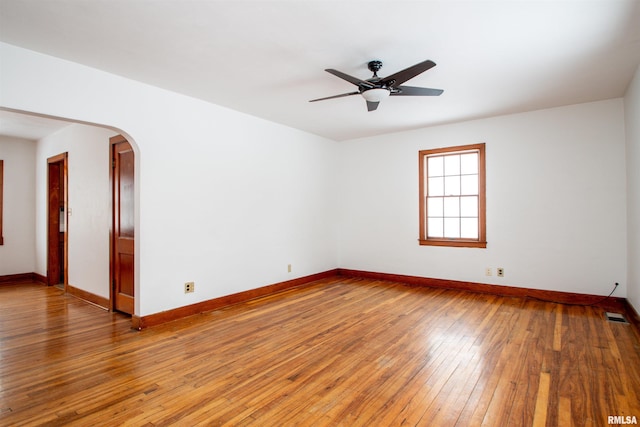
(469, 206)
(436, 186)
(469, 163)
(452, 185)
(452, 206)
(452, 228)
(469, 228)
(434, 206)
(435, 227)
(435, 166)
(469, 184)
(452, 165)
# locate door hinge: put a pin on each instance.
(113, 163)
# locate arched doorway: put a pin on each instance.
(84, 259)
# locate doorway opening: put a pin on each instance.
(57, 220)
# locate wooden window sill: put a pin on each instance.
(453, 243)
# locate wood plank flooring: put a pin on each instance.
(339, 352)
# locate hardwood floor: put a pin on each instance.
(342, 351)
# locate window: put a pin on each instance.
(452, 196)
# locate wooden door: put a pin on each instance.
(123, 229)
(57, 220)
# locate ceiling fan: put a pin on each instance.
(376, 89)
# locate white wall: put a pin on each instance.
(556, 213)
(17, 255)
(632, 121)
(228, 200)
(223, 199)
(88, 198)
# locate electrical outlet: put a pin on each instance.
(189, 287)
(500, 271)
(288, 268)
(487, 272)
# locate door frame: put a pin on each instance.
(62, 161)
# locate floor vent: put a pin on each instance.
(615, 317)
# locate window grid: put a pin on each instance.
(455, 216)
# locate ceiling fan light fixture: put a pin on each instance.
(376, 94)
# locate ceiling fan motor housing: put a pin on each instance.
(374, 66)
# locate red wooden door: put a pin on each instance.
(57, 220)
(123, 230)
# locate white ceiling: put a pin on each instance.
(266, 58)
(28, 126)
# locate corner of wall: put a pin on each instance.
(632, 155)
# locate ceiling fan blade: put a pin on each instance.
(408, 73)
(335, 96)
(416, 91)
(356, 81)
(371, 106)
